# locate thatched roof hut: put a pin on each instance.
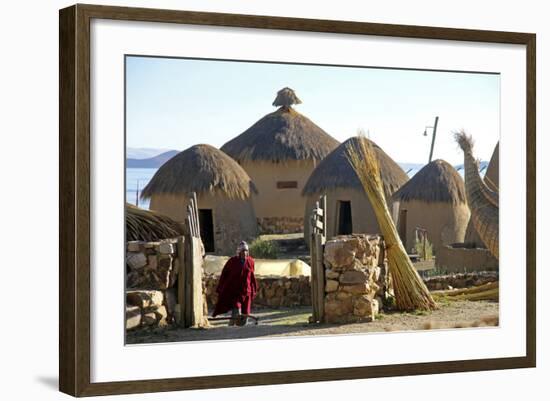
(434, 200)
(223, 191)
(146, 225)
(279, 152)
(200, 169)
(349, 209)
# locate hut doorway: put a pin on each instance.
(345, 225)
(206, 223)
(403, 227)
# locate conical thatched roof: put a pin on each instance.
(146, 225)
(281, 136)
(201, 168)
(335, 171)
(437, 181)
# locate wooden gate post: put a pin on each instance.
(318, 226)
(190, 281)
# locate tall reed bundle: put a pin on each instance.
(410, 291)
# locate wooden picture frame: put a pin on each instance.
(74, 203)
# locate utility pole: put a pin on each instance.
(433, 136)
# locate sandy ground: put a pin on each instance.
(293, 322)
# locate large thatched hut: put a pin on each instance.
(226, 213)
(279, 152)
(348, 206)
(434, 199)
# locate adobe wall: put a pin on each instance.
(362, 215)
(234, 220)
(279, 210)
(462, 258)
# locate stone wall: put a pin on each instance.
(281, 225)
(151, 272)
(460, 280)
(145, 309)
(151, 265)
(465, 258)
(273, 291)
(356, 278)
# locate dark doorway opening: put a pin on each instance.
(206, 222)
(345, 225)
(403, 227)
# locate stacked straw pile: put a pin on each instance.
(410, 291)
(485, 292)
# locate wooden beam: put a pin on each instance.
(181, 279)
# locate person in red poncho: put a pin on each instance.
(237, 287)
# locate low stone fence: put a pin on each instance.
(151, 272)
(273, 291)
(356, 278)
(460, 280)
(145, 309)
(465, 258)
(281, 225)
(151, 265)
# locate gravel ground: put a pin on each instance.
(293, 322)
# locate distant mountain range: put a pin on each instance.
(151, 162)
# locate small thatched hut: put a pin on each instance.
(223, 189)
(279, 152)
(348, 206)
(492, 180)
(146, 225)
(434, 199)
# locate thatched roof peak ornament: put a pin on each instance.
(286, 97)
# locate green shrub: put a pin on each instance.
(263, 249)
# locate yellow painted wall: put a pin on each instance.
(362, 215)
(271, 201)
(234, 220)
(446, 224)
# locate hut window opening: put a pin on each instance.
(206, 222)
(287, 184)
(345, 225)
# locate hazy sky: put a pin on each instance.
(177, 103)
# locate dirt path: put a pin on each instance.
(293, 322)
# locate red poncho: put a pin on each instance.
(237, 286)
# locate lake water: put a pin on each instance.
(136, 180)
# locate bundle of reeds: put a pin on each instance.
(485, 292)
(146, 225)
(410, 291)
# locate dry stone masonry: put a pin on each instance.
(151, 272)
(281, 225)
(273, 291)
(460, 280)
(355, 278)
(151, 265)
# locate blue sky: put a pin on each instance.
(176, 103)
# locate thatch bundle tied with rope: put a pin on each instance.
(410, 291)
